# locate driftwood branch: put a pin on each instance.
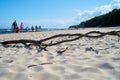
(72, 37)
(39, 64)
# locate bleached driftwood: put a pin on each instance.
(42, 45)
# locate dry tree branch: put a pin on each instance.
(77, 36)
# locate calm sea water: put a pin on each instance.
(5, 31)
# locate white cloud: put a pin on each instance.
(116, 0)
(115, 4)
(87, 14)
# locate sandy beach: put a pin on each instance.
(79, 62)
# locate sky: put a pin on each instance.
(52, 13)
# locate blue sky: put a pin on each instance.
(52, 13)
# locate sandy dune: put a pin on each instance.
(79, 62)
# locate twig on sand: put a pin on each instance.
(60, 52)
(31, 66)
(39, 64)
(46, 63)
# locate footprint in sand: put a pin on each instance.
(38, 68)
(3, 72)
(59, 69)
(91, 49)
(45, 76)
(90, 69)
(20, 76)
(116, 59)
(105, 66)
(7, 61)
(72, 77)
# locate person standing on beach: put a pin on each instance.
(14, 26)
(17, 30)
(32, 29)
(36, 28)
(21, 27)
(40, 28)
(27, 29)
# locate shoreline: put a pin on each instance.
(8, 31)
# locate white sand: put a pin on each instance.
(77, 63)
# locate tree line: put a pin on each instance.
(110, 19)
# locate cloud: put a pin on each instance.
(115, 4)
(87, 14)
(116, 0)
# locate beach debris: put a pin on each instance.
(118, 40)
(88, 49)
(105, 66)
(91, 49)
(8, 61)
(46, 63)
(60, 52)
(42, 48)
(39, 64)
(31, 66)
(118, 33)
(72, 37)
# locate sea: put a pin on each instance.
(9, 31)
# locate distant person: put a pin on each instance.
(40, 28)
(14, 26)
(21, 27)
(32, 29)
(27, 29)
(36, 28)
(17, 30)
